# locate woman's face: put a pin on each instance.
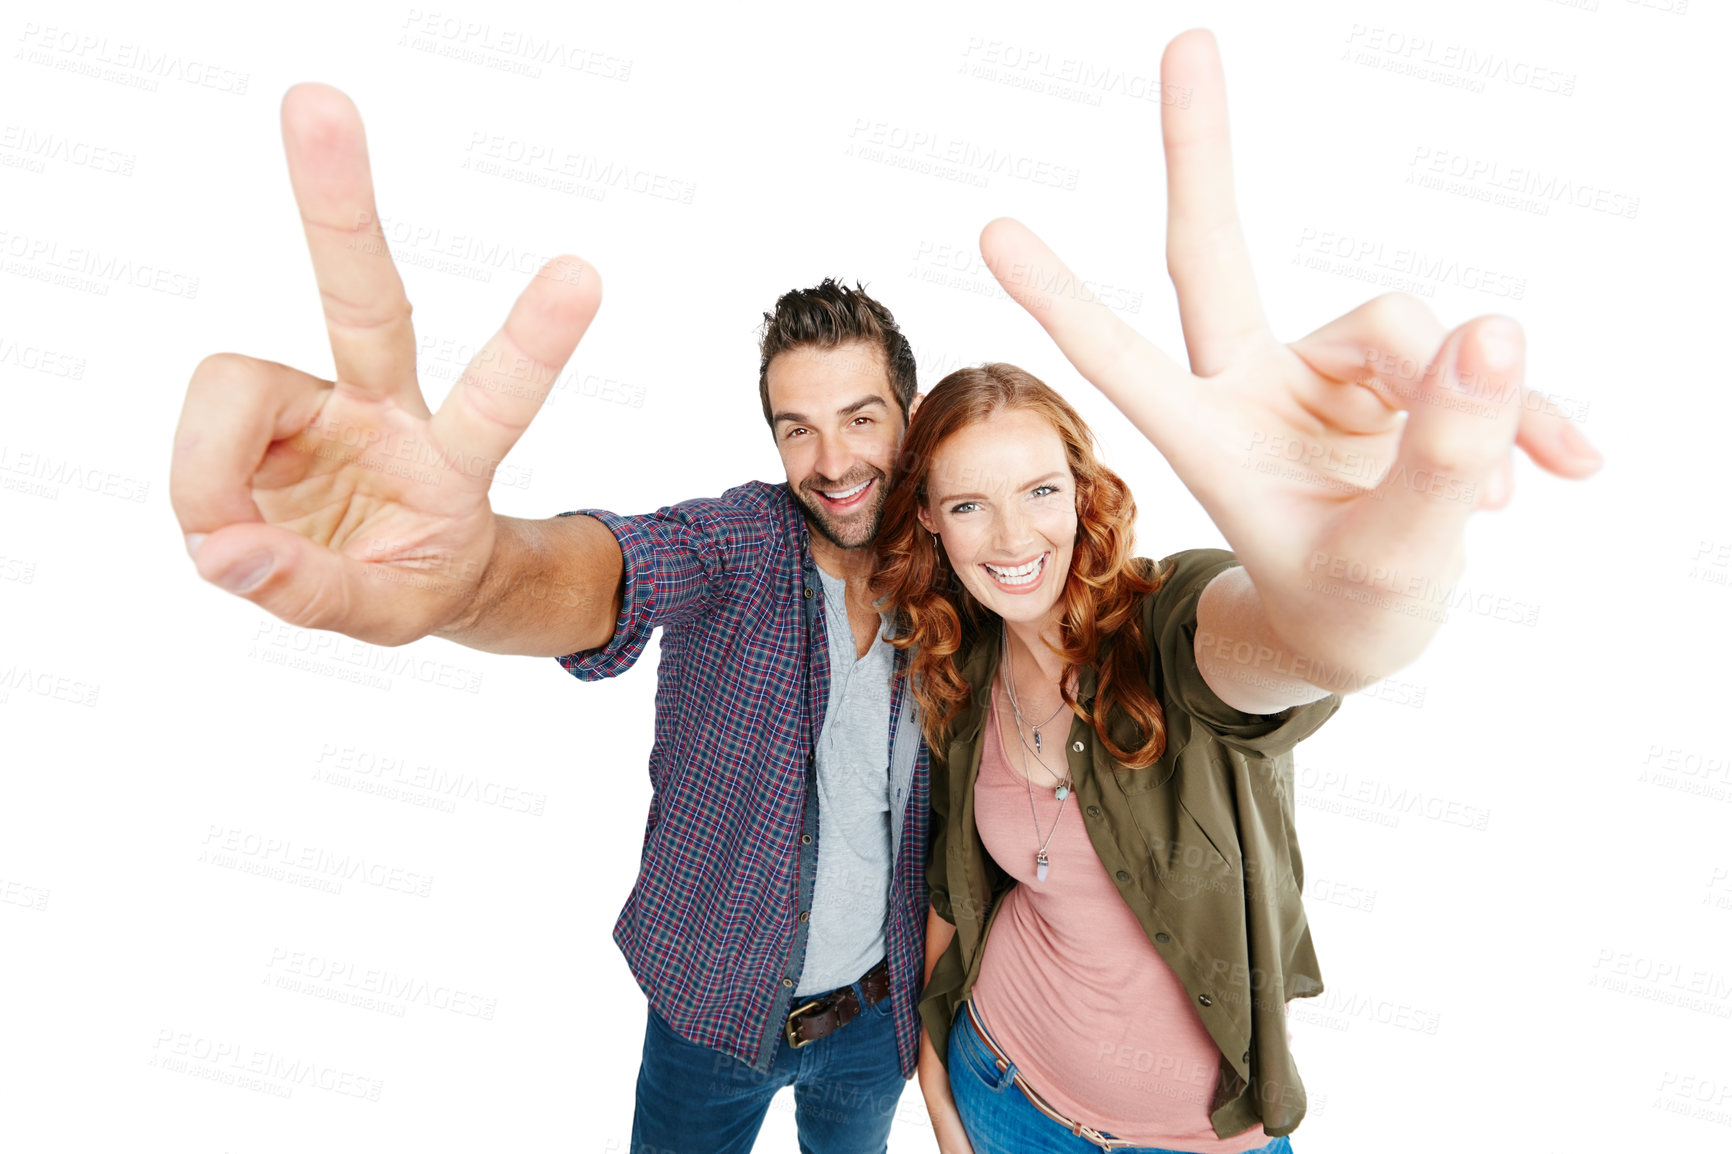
(1002, 500)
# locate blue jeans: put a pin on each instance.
(695, 1100)
(999, 1117)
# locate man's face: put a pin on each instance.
(837, 428)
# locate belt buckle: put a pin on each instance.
(788, 1026)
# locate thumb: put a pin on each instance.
(314, 586)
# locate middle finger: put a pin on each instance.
(366, 310)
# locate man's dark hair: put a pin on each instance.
(827, 316)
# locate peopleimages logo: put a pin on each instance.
(1402, 268)
(229, 1062)
(133, 65)
(303, 971)
(37, 359)
(39, 258)
(926, 150)
(282, 859)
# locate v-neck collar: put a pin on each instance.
(980, 667)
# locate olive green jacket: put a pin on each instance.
(1201, 844)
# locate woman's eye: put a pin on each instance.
(1045, 490)
(966, 505)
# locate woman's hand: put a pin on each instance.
(940, 1105)
(934, 1080)
(1342, 467)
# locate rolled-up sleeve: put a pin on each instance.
(1172, 622)
(678, 563)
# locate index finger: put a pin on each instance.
(366, 310)
(1219, 307)
(1146, 385)
(500, 392)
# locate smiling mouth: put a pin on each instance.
(846, 500)
(1021, 576)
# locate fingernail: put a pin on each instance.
(1499, 344)
(246, 574)
(1577, 445)
(193, 541)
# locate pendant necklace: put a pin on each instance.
(1041, 862)
(1010, 692)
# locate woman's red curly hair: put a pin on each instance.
(939, 619)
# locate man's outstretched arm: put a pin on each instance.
(347, 504)
(552, 588)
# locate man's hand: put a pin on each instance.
(346, 504)
(1341, 468)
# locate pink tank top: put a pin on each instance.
(1071, 988)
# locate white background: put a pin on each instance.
(1557, 978)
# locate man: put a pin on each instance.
(782, 894)
(776, 923)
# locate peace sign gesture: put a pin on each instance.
(1342, 467)
(346, 504)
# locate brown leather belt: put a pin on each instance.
(828, 1013)
(1003, 1060)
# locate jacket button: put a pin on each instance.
(1247, 1056)
(788, 983)
(805, 915)
(1163, 936)
(1094, 811)
(1077, 745)
(1206, 1000)
(805, 839)
(808, 592)
(1123, 876)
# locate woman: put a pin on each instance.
(1116, 923)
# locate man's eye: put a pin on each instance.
(857, 420)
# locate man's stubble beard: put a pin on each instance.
(819, 519)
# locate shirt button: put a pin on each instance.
(1163, 936)
(1205, 1000)
(805, 839)
(1123, 876)
(1247, 1056)
(1077, 745)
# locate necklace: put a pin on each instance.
(1063, 788)
(1042, 864)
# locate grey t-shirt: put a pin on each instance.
(852, 894)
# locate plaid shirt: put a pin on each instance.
(715, 928)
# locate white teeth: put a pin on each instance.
(847, 493)
(1022, 574)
